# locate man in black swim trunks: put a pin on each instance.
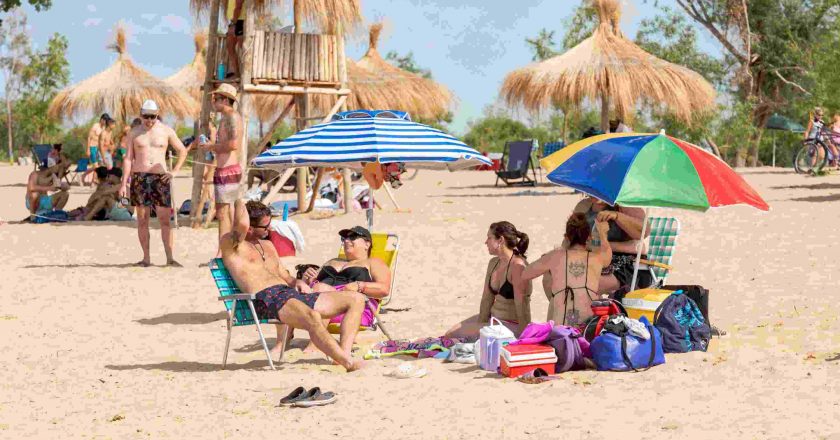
(254, 265)
(235, 32)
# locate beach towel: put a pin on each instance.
(419, 348)
(290, 230)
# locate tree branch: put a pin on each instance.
(704, 19)
(791, 83)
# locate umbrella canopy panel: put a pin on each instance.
(649, 170)
(355, 140)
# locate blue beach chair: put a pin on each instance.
(40, 153)
(518, 164)
(241, 311)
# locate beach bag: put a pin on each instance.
(491, 338)
(602, 309)
(567, 342)
(625, 352)
(698, 294)
(682, 325)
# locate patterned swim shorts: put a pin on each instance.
(226, 183)
(148, 189)
(270, 300)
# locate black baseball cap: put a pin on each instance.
(358, 230)
(106, 117)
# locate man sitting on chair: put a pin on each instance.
(254, 265)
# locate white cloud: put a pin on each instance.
(167, 24)
(148, 16)
(92, 22)
(91, 8)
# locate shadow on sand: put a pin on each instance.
(823, 185)
(94, 265)
(184, 318)
(194, 367)
(817, 199)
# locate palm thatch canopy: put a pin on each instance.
(323, 14)
(609, 67)
(377, 84)
(191, 77)
(120, 90)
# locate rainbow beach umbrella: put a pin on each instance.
(647, 170)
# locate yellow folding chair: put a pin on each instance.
(386, 248)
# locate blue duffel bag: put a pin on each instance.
(612, 352)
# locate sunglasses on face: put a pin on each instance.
(261, 227)
(350, 237)
(149, 117)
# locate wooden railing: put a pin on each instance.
(283, 58)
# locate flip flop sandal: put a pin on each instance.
(296, 394)
(319, 400)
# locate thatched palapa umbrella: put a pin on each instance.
(191, 76)
(609, 67)
(377, 84)
(324, 14)
(120, 90)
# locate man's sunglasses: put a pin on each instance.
(149, 116)
(350, 237)
(261, 227)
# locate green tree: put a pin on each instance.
(407, 63)
(40, 5)
(542, 46)
(47, 73)
(14, 53)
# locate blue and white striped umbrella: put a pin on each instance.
(352, 138)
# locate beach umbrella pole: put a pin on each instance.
(639, 247)
(774, 150)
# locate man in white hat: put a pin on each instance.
(228, 175)
(145, 166)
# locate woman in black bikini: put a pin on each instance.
(357, 272)
(506, 296)
(574, 271)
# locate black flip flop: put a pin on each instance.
(320, 399)
(296, 394)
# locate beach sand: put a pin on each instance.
(94, 348)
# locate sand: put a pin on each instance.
(93, 348)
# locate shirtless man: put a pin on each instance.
(38, 186)
(93, 139)
(228, 174)
(107, 148)
(254, 265)
(145, 165)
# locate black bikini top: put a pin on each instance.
(506, 291)
(334, 277)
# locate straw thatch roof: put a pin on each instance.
(323, 14)
(191, 77)
(120, 90)
(377, 84)
(607, 64)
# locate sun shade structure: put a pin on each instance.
(323, 14)
(649, 170)
(610, 68)
(360, 136)
(120, 90)
(376, 83)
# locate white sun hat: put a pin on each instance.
(149, 107)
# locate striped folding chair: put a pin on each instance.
(385, 247)
(661, 246)
(241, 312)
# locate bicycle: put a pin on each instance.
(814, 154)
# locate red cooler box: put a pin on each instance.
(520, 359)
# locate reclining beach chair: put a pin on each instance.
(40, 153)
(241, 312)
(519, 162)
(661, 244)
(81, 169)
(385, 247)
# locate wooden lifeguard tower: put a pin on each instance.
(297, 65)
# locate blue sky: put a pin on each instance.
(470, 45)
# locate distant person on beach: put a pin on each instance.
(122, 149)
(57, 157)
(235, 14)
(38, 187)
(93, 151)
(106, 144)
(151, 184)
(574, 271)
(506, 295)
(254, 265)
(617, 126)
(227, 177)
(101, 203)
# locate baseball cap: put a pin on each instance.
(358, 230)
(106, 117)
(149, 107)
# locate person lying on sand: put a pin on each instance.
(575, 272)
(253, 263)
(102, 202)
(38, 188)
(506, 296)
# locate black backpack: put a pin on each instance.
(682, 325)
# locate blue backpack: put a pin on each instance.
(682, 325)
(626, 352)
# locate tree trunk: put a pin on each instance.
(605, 113)
(9, 128)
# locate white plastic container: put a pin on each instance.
(490, 341)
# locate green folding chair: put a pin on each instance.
(241, 311)
(662, 242)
